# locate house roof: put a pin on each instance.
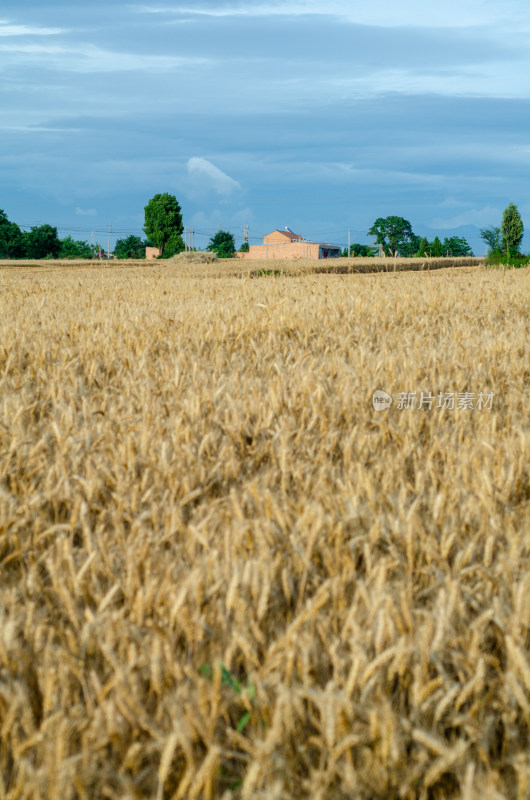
(288, 234)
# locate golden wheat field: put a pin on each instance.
(224, 574)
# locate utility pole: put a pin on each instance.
(349, 232)
(193, 246)
(245, 234)
(185, 239)
(108, 246)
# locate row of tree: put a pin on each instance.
(414, 248)
(164, 228)
(41, 241)
(394, 235)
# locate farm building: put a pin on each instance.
(286, 244)
(151, 253)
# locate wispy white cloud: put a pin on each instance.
(487, 79)
(342, 174)
(203, 170)
(38, 129)
(90, 58)
(416, 13)
(7, 29)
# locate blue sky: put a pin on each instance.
(317, 116)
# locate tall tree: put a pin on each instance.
(163, 223)
(393, 233)
(512, 229)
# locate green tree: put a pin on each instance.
(360, 250)
(493, 238)
(223, 244)
(437, 248)
(11, 238)
(72, 248)
(408, 249)
(423, 249)
(244, 248)
(131, 247)
(394, 233)
(512, 230)
(4, 234)
(42, 241)
(456, 246)
(174, 245)
(163, 224)
(17, 245)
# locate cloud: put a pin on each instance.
(37, 129)
(92, 59)
(89, 212)
(25, 30)
(496, 79)
(416, 13)
(203, 171)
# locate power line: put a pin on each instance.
(343, 234)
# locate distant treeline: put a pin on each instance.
(163, 225)
(42, 241)
(416, 247)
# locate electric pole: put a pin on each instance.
(108, 246)
(349, 232)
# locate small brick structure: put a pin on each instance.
(152, 253)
